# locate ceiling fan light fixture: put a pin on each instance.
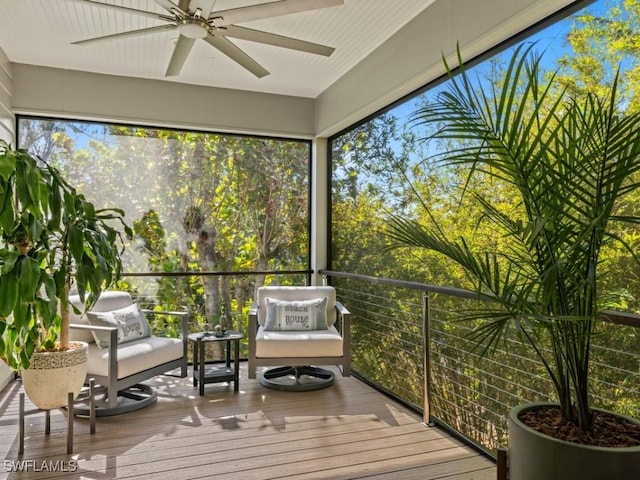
(192, 28)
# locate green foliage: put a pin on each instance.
(601, 40)
(203, 203)
(50, 233)
(571, 160)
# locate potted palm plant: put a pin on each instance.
(50, 236)
(571, 159)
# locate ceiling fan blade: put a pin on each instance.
(204, 5)
(236, 54)
(179, 56)
(121, 35)
(259, 36)
(134, 11)
(173, 8)
(268, 10)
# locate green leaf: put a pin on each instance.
(55, 208)
(76, 242)
(28, 278)
(8, 295)
(7, 165)
(34, 228)
(59, 277)
(33, 180)
(51, 292)
(9, 258)
(7, 212)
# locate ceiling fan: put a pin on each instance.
(194, 19)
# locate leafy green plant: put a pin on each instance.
(571, 160)
(50, 236)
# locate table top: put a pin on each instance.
(211, 336)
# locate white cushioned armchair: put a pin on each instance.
(298, 346)
(119, 364)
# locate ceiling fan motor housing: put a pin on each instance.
(193, 28)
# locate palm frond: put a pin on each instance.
(570, 161)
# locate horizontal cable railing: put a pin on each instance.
(247, 273)
(436, 370)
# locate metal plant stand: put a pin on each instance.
(47, 426)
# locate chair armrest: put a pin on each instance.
(342, 310)
(113, 331)
(345, 318)
(77, 326)
(345, 321)
(252, 329)
(112, 346)
(253, 320)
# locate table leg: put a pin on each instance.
(202, 369)
(236, 365)
(195, 362)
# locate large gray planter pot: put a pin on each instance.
(535, 456)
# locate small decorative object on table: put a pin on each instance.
(219, 331)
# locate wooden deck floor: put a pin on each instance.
(346, 431)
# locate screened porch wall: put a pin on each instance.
(7, 117)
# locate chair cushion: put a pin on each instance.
(135, 356)
(296, 315)
(130, 322)
(316, 343)
(289, 293)
(109, 300)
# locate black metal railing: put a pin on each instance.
(408, 341)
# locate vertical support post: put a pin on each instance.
(426, 349)
(320, 211)
(21, 424)
(502, 473)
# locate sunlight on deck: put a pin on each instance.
(342, 432)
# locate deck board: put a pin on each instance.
(347, 431)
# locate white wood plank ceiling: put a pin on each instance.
(40, 32)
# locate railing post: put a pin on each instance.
(426, 349)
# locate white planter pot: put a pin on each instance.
(52, 375)
(535, 456)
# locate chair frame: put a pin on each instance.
(343, 321)
(111, 381)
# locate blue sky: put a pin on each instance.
(551, 41)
